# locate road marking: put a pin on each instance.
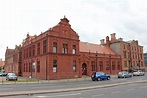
(116, 92)
(97, 95)
(73, 94)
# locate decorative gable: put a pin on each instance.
(63, 29)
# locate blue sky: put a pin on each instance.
(93, 20)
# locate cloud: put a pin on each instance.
(93, 20)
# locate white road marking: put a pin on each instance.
(72, 94)
(97, 95)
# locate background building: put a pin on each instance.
(145, 61)
(131, 53)
(13, 60)
(2, 63)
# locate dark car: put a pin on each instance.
(97, 76)
(124, 74)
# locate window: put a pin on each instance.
(74, 49)
(74, 66)
(125, 63)
(30, 67)
(54, 47)
(27, 53)
(44, 46)
(38, 66)
(133, 54)
(113, 65)
(125, 54)
(92, 65)
(124, 46)
(128, 54)
(54, 65)
(64, 48)
(38, 48)
(118, 65)
(101, 65)
(30, 51)
(24, 68)
(33, 50)
(107, 65)
(24, 53)
(140, 56)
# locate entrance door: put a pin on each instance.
(84, 69)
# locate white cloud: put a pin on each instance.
(93, 20)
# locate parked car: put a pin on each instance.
(97, 76)
(11, 76)
(3, 74)
(138, 73)
(124, 74)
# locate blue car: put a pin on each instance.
(97, 76)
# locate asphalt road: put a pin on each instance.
(137, 90)
(64, 85)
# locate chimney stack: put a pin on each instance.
(113, 38)
(102, 41)
(107, 41)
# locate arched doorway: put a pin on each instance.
(84, 69)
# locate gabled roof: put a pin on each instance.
(8, 51)
(93, 48)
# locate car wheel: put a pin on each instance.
(93, 79)
(98, 79)
(108, 78)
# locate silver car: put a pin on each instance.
(124, 74)
(11, 76)
(138, 73)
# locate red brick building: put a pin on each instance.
(131, 53)
(58, 53)
(94, 57)
(13, 60)
(53, 54)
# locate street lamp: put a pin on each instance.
(96, 61)
(138, 64)
(110, 62)
(46, 56)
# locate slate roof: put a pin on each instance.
(93, 48)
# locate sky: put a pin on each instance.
(93, 20)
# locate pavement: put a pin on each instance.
(68, 89)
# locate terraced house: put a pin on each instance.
(58, 53)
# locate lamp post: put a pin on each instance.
(139, 64)
(110, 62)
(46, 56)
(96, 61)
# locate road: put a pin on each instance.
(63, 85)
(137, 90)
